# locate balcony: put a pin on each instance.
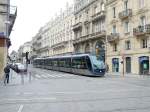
(89, 37)
(108, 2)
(87, 20)
(98, 16)
(113, 37)
(12, 17)
(98, 34)
(77, 26)
(141, 30)
(59, 45)
(81, 39)
(125, 14)
(44, 48)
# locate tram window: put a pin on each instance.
(68, 63)
(49, 62)
(55, 63)
(45, 62)
(79, 63)
(61, 63)
(88, 62)
(40, 62)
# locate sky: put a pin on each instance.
(31, 15)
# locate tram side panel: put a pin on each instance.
(65, 65)
(79, 66)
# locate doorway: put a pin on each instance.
(144, 65)
(115, 65)
(128, 64)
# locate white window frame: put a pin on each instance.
(127, 27)
(141, 3)
(114, 29)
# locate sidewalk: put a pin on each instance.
(16, 79)
(129, 75)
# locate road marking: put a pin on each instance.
(20, 108)
(44, 76)
(29, 99)
(37, 76)
(51, 76)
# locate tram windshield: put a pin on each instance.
(97, 63)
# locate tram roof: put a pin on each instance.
(66, 56)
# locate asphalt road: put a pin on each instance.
(51, 91)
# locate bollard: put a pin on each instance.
(30, 77)
(22, 79)
(11, 75)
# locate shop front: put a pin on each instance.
(128, 64)
(144, 65)
(115, 65)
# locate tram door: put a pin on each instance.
(88, 62)
(128, 64)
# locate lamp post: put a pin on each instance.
(106, 49)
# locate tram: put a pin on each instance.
(82, 64)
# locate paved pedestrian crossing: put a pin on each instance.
(50, 76)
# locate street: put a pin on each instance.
(52, 91)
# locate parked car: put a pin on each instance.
(20, 67)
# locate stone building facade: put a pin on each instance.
(90, 27)
(8, 15)
(128, 36)
(61, 34)
(56, 36)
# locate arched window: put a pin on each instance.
(77, 49)
(102, 6)
(100, 50)
(87, 48)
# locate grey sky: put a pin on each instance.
(32, 14)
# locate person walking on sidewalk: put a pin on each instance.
(7, 71)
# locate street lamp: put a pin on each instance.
(106, 41)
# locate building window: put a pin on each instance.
(128, 45)
(144, 43)
(80, 33)
(80, 17)
(87, 30)
(143, 21)
(95, 10)
(126, 27)
(102, 7)
(126, 4)
(115, 47)
(114, 12)
(141, 3)
(114, 29)
(87, 13)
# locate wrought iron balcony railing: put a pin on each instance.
(141, 30)
(98, 15)
(77, 26)
(125, 14)
(113, 37)
(98, 33)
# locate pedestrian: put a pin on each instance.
(7, 71)
(107, 67)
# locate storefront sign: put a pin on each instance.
(144, 58)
